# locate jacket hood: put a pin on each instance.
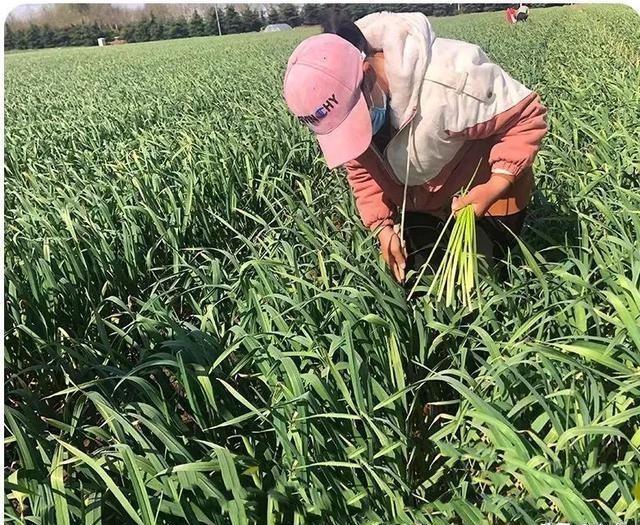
(406, 40)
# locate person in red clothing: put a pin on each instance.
(410, 117)
(511, 15)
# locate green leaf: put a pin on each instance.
(111, 485)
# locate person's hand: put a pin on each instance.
(482, 196)
(392, 252)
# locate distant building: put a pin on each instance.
(277, 27)
(117, 41)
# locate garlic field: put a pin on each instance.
(198, 329)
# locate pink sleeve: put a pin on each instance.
(374, 207)
(518, 132)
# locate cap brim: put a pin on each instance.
(350, 139)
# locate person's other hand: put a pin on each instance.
(392, 252)
(482, 196)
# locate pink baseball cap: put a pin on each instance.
(322, 89)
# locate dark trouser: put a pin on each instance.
(493, 239)
(522, 17)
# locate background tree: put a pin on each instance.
(356, 11)
(9, 38)
(156, 29)
(182, 27)
(128, 32)
(312, 14)
(290, 15)
(21, 39)
(142, 31)
(273, 15)
(89, 34)
(443, 9)
(250, 20)
(178, 28)
(74, 35)
(33, 37)
(211, 22)
(82, 24)
(61, 37)
(232, 21)
(196, 25)
(264, 20)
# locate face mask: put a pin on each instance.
(378, 114)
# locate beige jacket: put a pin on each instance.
(445, 96)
